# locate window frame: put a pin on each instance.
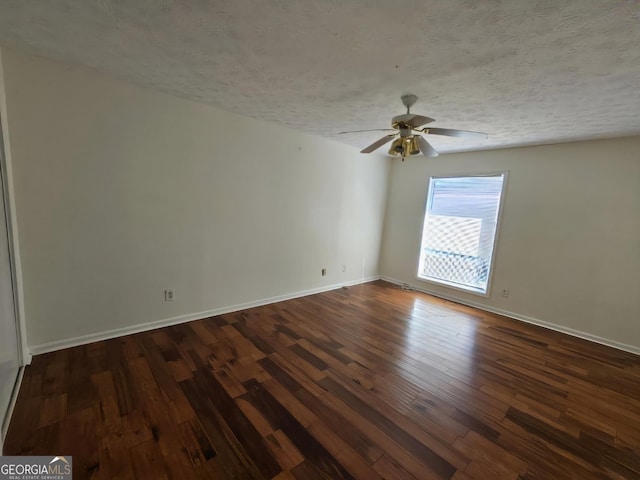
(503, 194)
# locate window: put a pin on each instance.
(459, 233)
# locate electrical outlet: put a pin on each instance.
(505, 293)
(324, 272)
(168, 296)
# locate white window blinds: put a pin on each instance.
(459, 232)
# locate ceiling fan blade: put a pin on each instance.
(412, 119)
(419, 120)
(426, 148)
(454, 133)
(361, 131)
(378, 144)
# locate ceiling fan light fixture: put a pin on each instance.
(411, 146)
(397, 147)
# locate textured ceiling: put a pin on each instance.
(524, 71)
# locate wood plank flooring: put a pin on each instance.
(367, 382)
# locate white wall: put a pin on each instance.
(122, 192)
(569, 246)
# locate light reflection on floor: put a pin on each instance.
(437, 329)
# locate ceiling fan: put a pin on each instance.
(407, 141)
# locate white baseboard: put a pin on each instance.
(143, 327)
(26, 358)
(522, 318)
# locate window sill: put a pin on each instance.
(455, 286)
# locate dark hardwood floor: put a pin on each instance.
(366, 382)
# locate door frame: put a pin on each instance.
(24, 357)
